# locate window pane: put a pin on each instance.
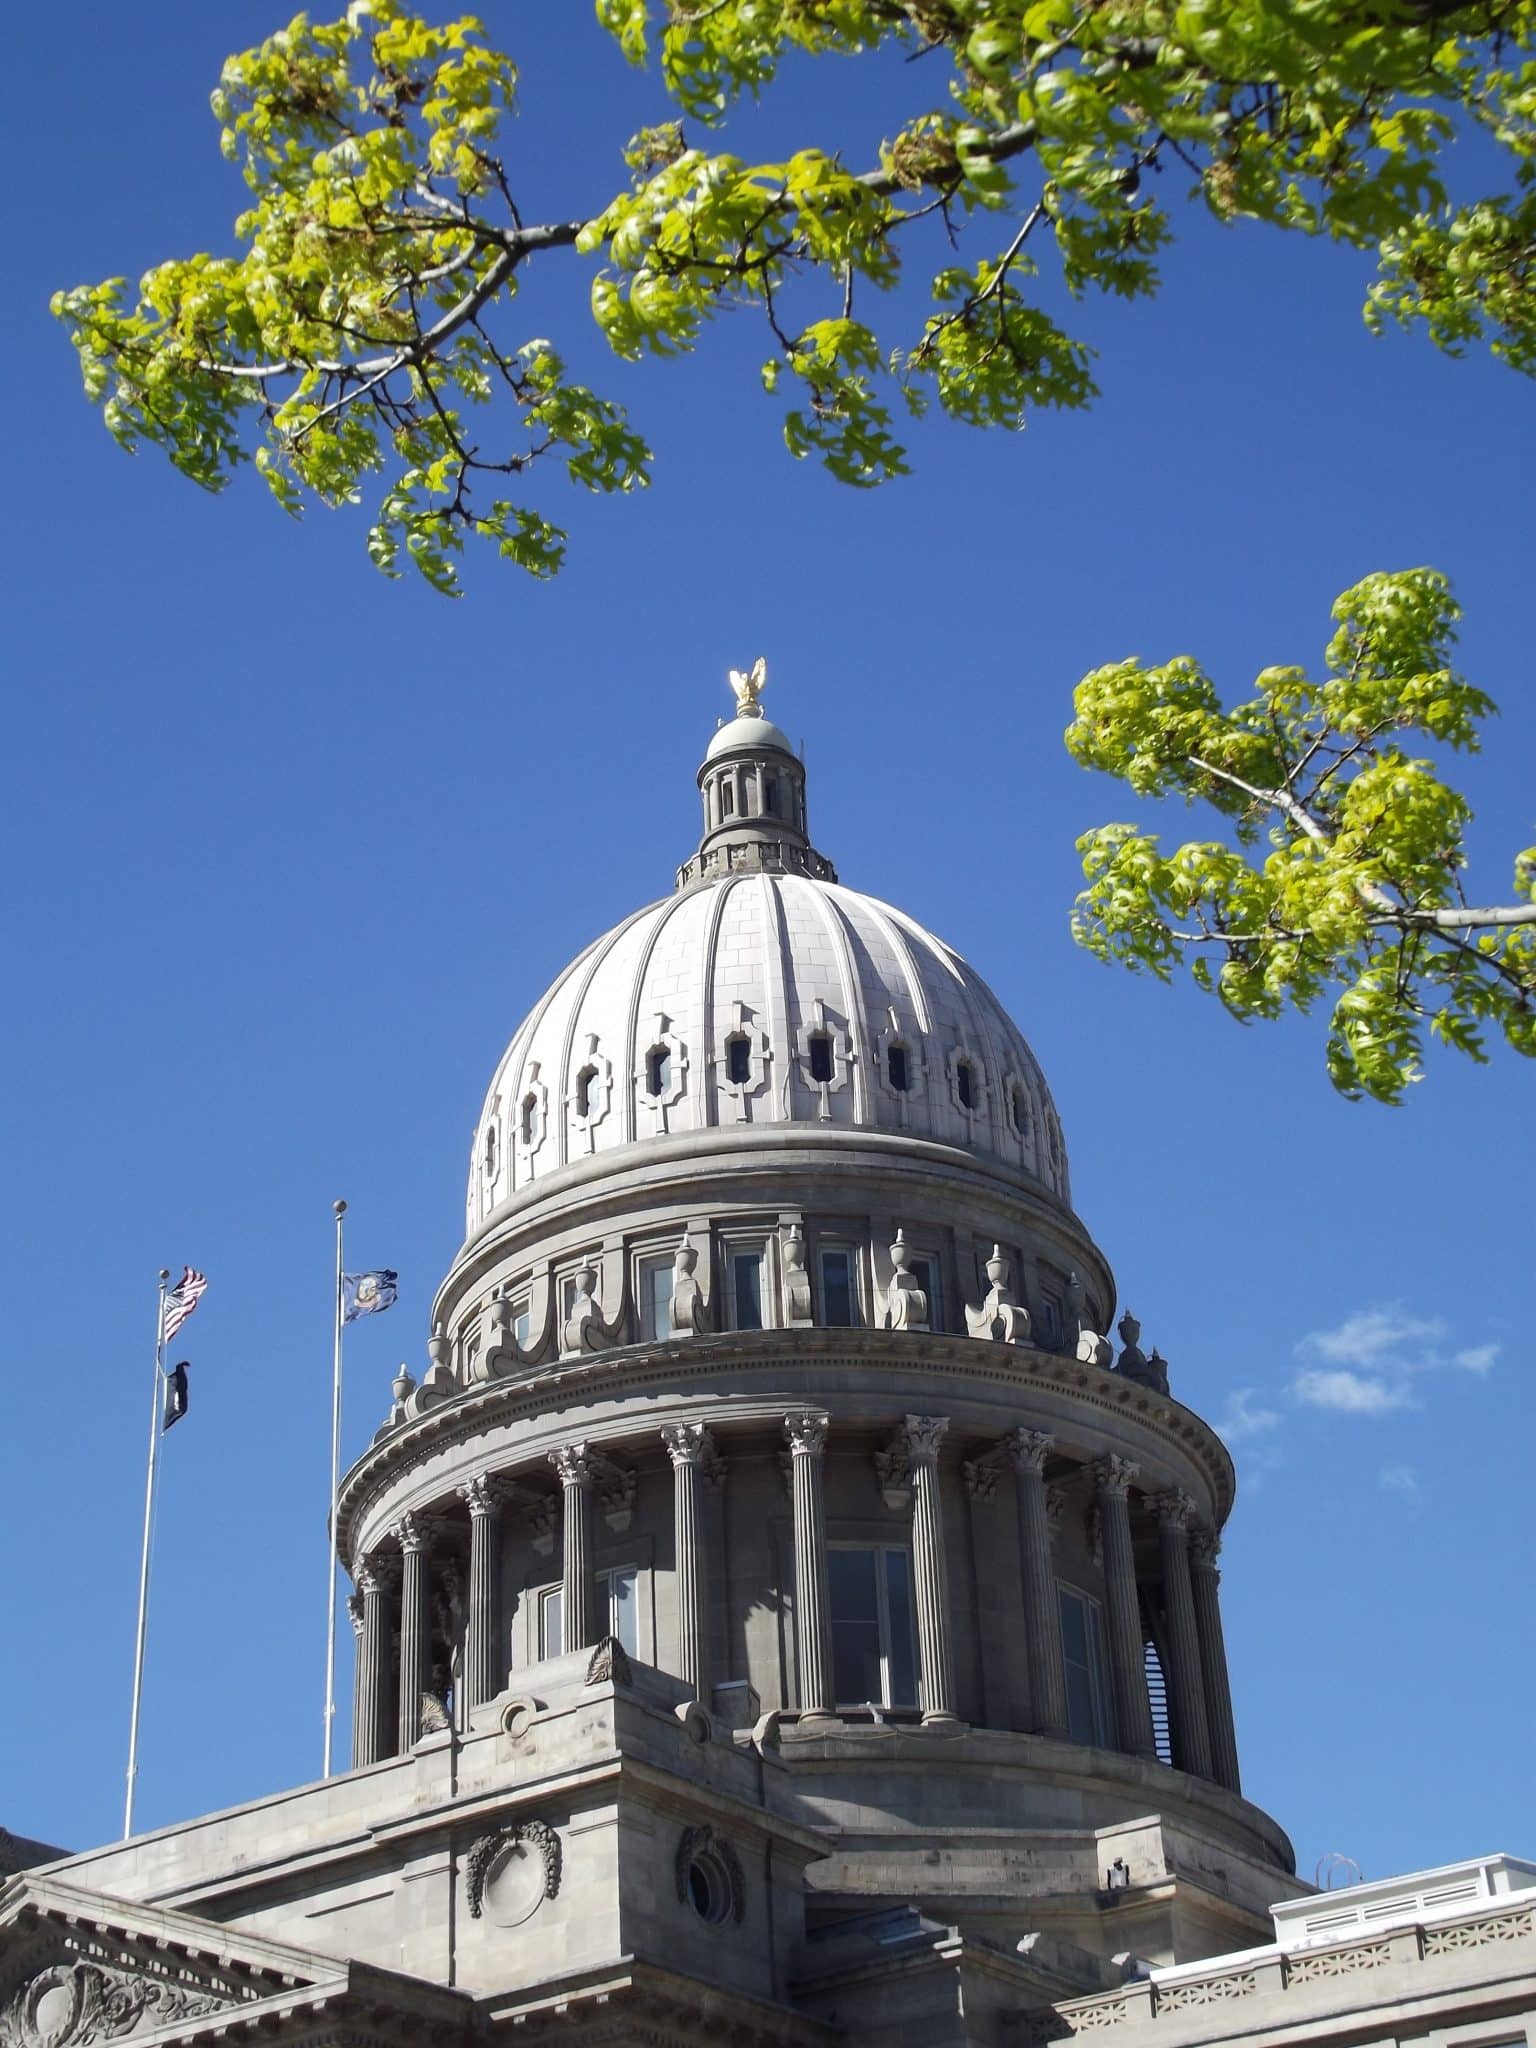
(522, 1323)
(747, 1281)
(551, 1622)
(837, 1300)
(896, 1068)
(658, 1070)
(926, 1273)
(624, 1608)
(856, 1677)
(901, 1658)
(738, 1060)
(821, 1057)
(655, 1297)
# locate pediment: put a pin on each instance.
(78, 1968)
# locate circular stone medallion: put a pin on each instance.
(514, 1885)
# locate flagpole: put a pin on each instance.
(340, 1210)
(149, 1508)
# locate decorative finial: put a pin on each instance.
(749, 688)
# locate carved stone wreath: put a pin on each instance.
(531, 1834)
(706, 1843)
(76, 2003)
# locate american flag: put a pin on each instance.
(182, 1299)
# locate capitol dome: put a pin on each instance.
(756, 998)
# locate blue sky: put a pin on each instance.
(291, 849)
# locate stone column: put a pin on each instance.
(807, 1432)
(1205, 1580)
(687, 1445)
(1186, 1687)
(359, 1737)
(415, 1628)
(578, 1589)
(372, 1731)
(1127, 1652)
(484, 1669)
(922, 1435)
(1042, 1611)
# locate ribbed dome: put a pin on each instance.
(762, 998)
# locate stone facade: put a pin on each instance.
(780, 1615)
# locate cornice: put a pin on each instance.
(693, 1365)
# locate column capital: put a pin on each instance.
(485, 1494)
(923, 1434)
(412, 1532)
(375, 1573)
(807, 1432)
(1028, 1448)
(1113, 1475)
(980, 1476)
(575, 1464)
(1205, 1547)
(1174, 1509)
(687, 1442)
(355, 1613)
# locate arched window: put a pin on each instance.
(965, 1084)
(727, 798)
(1018, 1109)
(821, 1056)
(770, 794)
(491, 1151)
(658, 1071)
(738, 1059)
(584, 1081)
(527, 1118)
(896, 1068)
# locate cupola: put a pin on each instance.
(753, 788)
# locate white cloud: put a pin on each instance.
(1398, 1479)
(1244, 1416)
(1368, 1364)
(1349, 1393)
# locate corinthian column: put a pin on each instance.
(922, 1435)
(1191, 1732)
(1042, 1612)
(484, 1672)
(415, 1627)
(359, 1737)
(1127, 1652)
(807, 1433)
(578, 1591)
(687, 1444)
(371, 1718)
(1205, 1581)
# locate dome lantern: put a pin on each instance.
(753, 788)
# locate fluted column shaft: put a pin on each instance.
(483, 1665)
(1042, 1610)
(415, 1629)
(807, 1433)
(1205, 1582)
(930, 1574)
(1127, 1652)
(578, 1590)
(686, 1447)
(370, 1713)
(1191, 1733)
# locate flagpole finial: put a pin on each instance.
(165, 1272)
(340, 1208)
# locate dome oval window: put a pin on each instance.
(528, 1117)
(896, 1071)
(658, 1071)
(965, 1084)
(584, 1081)
(821, 1057)
(1018, 1110)
(709, 1889)
(738, 1059)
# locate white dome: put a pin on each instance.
(634, 1039)
(751, 729)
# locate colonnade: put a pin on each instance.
(388, 1703)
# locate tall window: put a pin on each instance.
(1082, 1657)
(746, 1277)
(839, 1292)
(821, 1056)
(727, 799)
(618, 1594)
(585, 1082)
(926, 1273)
(527, 1117)
(770, 793)
(873, 1659)
(654, 1291)
(658, 1071)
(896, 1068)
(738, 1059)
(965, 1084)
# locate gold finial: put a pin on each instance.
(749, 688)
